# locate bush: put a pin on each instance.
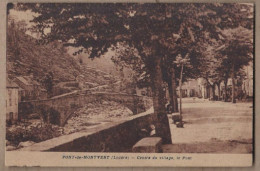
(35, 134)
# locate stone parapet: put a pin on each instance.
(148, 145)
(110, 137)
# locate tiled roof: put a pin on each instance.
(23, 80)
(27, 80)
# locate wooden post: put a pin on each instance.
(180, 83)
(233, 84)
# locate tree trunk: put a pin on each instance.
(218, 84)
(170, 95)
(174, 90)
(208, 91)
(173, 95)
(181, 90)
(233, 84)
(213, 92)
(162, 125)
(225, 87)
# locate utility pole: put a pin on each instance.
(180, 85)
(181, 62)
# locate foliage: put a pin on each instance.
(177, 28)
(35, 133)
(37, 59)
(25, 56)
(48, 82)
(237, 47)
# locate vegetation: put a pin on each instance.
(36, 134)
(50, 64)
(23, 59)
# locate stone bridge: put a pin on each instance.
(60, 108)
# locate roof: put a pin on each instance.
(11, 84)
(27, 80)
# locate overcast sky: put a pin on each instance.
(22, 15)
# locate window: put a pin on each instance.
(15, 102)
(11, 116)
(10, 97)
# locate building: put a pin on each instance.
(197, 88)
(29, 89)
(191, 88)
(248, 82)
(202, 88)
(247, 86)
(11, 102)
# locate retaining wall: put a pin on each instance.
(110, 137)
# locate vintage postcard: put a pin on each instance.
(129, 84)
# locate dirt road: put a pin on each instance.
(213, 127)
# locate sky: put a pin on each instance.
(26, 16)
(22, 15)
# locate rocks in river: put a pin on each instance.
(105, 103)
(25, 144)
(69, 130)
(10, 148)
(13, 128)
(90, 105)
(36, 124)
(95, 112)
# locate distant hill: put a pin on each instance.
(26, 57)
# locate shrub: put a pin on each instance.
(36, 133)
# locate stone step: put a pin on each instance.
(148, 145)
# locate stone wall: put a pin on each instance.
(110, 137)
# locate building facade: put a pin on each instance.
(11, 102)
(29, 89)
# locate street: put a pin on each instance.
(212, 127)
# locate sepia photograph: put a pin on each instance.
(130, 78)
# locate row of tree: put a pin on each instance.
(149, 37)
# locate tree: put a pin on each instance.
(14, 34)
(48, 83)
(237, 48)
(202, 25)
(181, 62)
(128, 61)
(211, 69)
